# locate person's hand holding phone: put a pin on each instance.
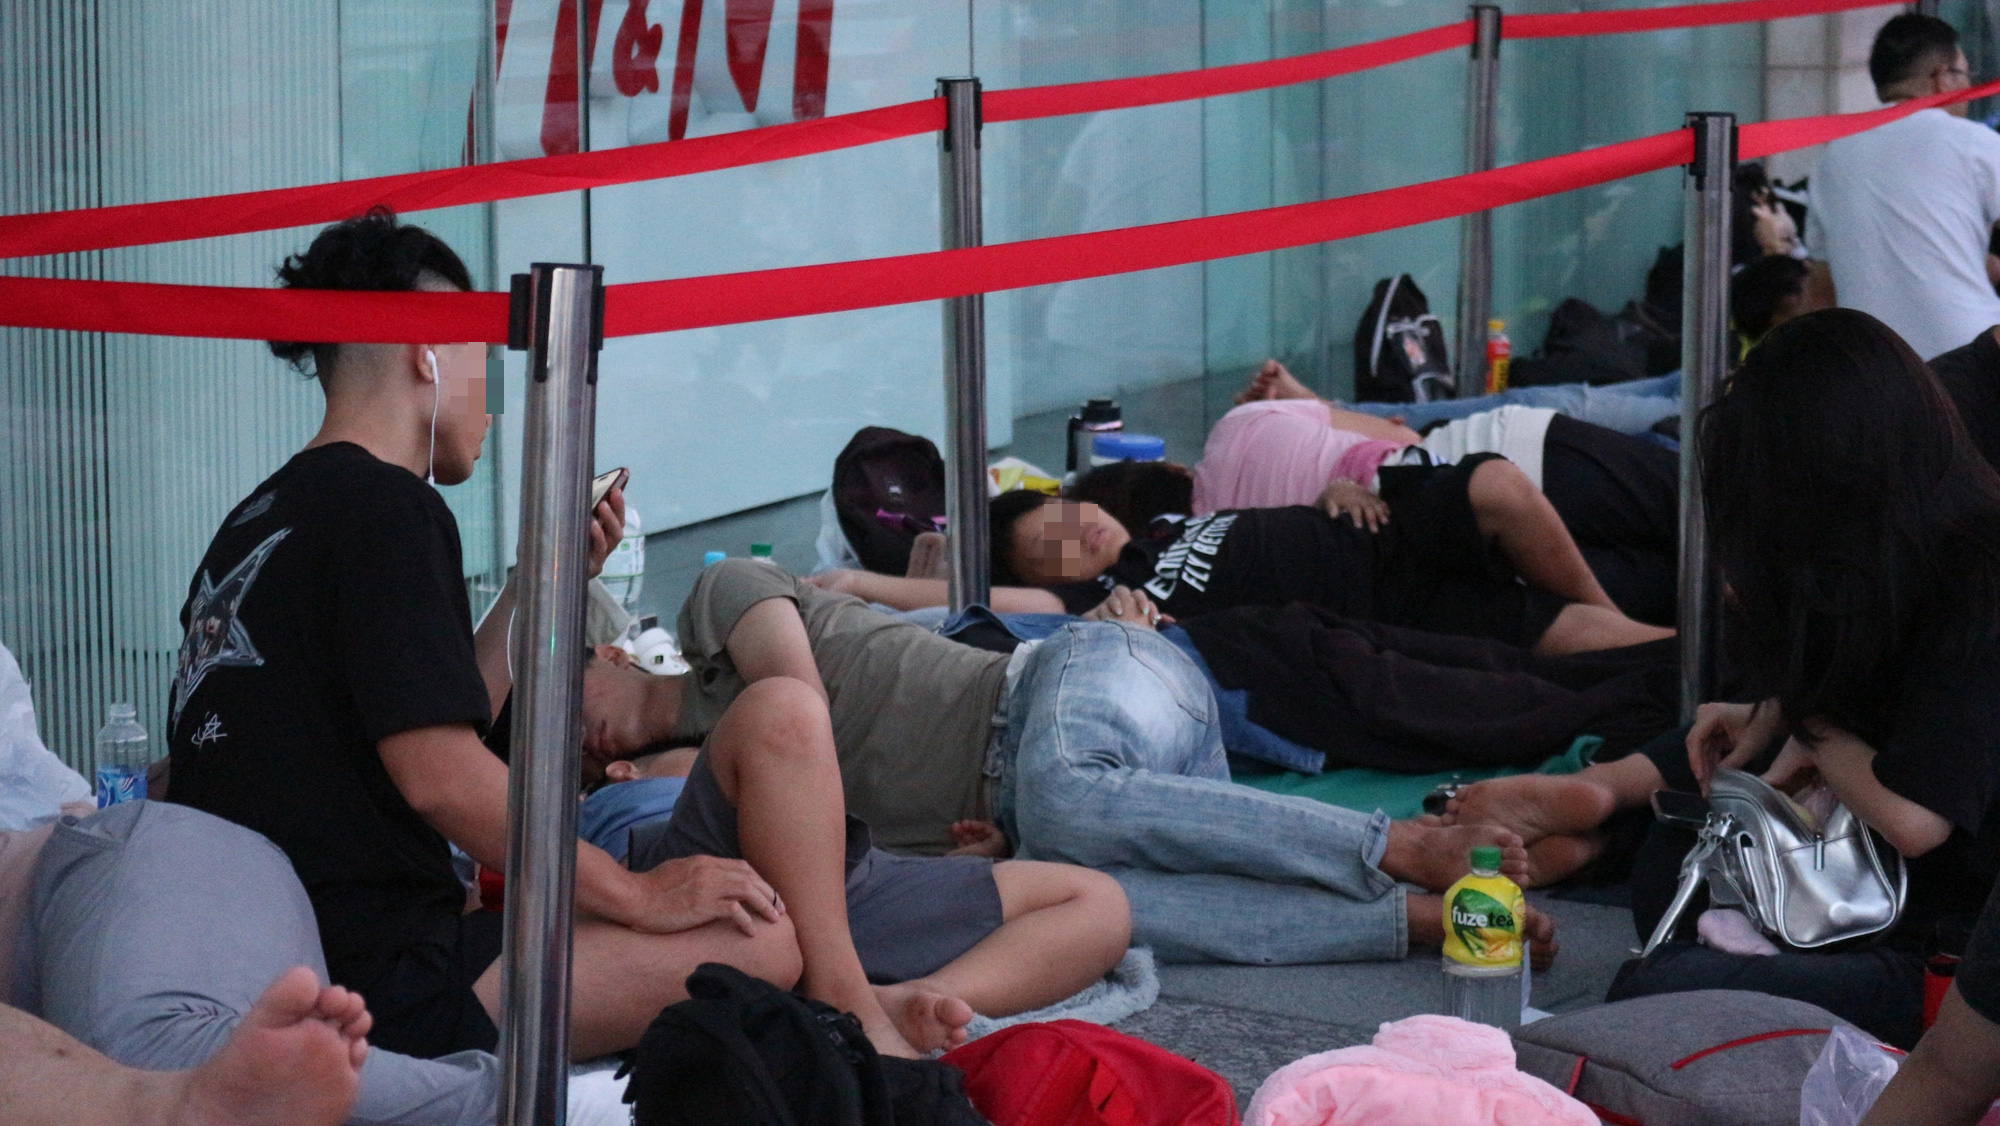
(607, 521)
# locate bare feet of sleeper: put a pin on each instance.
(927, 1020)
(1534, 805)
(1272, 381)
(1433, 855)
(295, 1060)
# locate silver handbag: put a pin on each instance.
(1804, 882)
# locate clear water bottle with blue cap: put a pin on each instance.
(712, 558)
(123, 754)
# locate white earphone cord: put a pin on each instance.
(437, 388)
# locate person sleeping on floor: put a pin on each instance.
(1617, 494)
(1471, 549)
(1100, 746)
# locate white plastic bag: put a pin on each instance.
(34, 784)
(1846, 1080)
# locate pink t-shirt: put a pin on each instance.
(1270, 454)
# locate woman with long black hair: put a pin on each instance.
(1858, 535)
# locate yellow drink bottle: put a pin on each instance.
(1483, 915)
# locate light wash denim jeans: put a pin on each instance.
(1112, 758)
(1629, 408)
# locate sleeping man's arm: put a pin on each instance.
(916, 594)
(770, 640)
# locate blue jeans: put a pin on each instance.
(1629, 408)
(1112, 758)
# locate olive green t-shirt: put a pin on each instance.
(912, 711)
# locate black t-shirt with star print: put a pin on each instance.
(328, 613)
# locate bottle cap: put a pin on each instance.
(1496, 325)
(1118, 445)
(713, 557)
(124, 711)
(1100, 410)
(760, 551)
(1486, 858)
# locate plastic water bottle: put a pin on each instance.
(123, 754)
(761, 553)
(1499, 356)
(1483, 914)
(711, 558)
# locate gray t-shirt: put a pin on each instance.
(912, 711)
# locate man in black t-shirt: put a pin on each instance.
(332, 692)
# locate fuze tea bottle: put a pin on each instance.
(1482, 944)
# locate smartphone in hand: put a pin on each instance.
(603, 483)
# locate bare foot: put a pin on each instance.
(1534, 805)
(1552, 860)
(295, 1060)
(1433, 855)
(1425, 920)
(927, 1019)
(1272, 381)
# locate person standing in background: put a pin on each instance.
(1902, 214)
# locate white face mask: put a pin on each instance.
(437, 388)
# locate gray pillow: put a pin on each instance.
(1712, 1057)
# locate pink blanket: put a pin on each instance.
(1268, 455)
(1424, 1071)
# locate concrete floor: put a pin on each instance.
(1244, 1022)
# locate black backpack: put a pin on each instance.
(1399, 348)
(742, 1052)
(888, 488)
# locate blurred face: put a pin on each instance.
(461, 410)
(1066, 541)
(1957, 76)
(614, 692)
(1776, 233)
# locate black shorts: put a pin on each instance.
(423, 1004)
(1438, 573)
(910, 916)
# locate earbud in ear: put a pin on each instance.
(433, 358)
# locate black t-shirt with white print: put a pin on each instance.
(329, 613)
(1242, 557)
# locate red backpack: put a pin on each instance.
(1069, 1073)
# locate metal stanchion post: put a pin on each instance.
(964, 350)
(1475, 239)
(1705, 356)
(558, 317)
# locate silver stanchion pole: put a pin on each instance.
(558, 317)
(1475, 238)
(1705, 360)
(964, 350)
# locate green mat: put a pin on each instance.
(1401, 796)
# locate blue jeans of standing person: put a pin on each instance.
(1629, 408)
(1112, 758)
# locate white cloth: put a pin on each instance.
(1903, 214)
(1513, 432)
(34, 784)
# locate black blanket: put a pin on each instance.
(1403, 700)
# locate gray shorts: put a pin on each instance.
(152, 928)
(910, 916)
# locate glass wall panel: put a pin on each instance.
(123, 453)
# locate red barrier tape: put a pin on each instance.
(1155, 89)
(683, 303)
(1565, 25)
(142, 224)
